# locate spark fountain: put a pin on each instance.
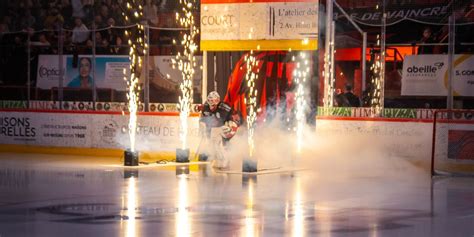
(328, 72)
(133, 14)
(186, 63)
(378, 70)
(250, 163)
(301, 74)
(377, 80)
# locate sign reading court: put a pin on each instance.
(233, 25)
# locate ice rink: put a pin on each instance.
(52, 195)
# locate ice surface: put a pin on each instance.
(51, 195)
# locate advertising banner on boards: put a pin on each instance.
(109, 72)
(73, 129)
(427, 75)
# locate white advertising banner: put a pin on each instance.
(62, 130)
(163, 74)
(70, 129)
(48, 71)
(272, 20)
(410, 140)
(108, 72)
(270, 24)
(427, 75)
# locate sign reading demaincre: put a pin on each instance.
(428, 75)
(228, 25)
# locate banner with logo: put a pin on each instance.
(427, 75)
(66, 129)
(109, 72)
(418, 10)
(267, 24)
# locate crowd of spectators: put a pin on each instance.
(46, 20)
(74, 24)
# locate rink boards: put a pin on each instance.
(106, 133)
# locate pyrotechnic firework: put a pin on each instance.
(186, 63)
(251, 100)
(300, 74)
(133, 14)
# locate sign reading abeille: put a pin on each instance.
(228, 25)
(427, 75)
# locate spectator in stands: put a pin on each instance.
(104, 11)
(40, 15)
(42, 44)
(426, 39)
(353, 99)
(53, 20)
(77, 9)
(107, 2)
(98, 37)
(104, 48)
(110, 22)
(163, 4)
(80, 33)
(99, 23)
(66, 11)
(3, 30)
(83, 80)
(119, 48)
(27, 20)
(116, 9)
(340, 100)
(88, 48)
(6, 20)
(111, 33)
(366, 98)
(150, 13)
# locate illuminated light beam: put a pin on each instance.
(186, 62)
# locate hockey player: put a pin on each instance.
(218, 123)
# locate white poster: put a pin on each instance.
(167, 77)
(48, 71)
(250, 21)
(427, 75)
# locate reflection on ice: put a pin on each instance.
(131, 212)
(183, 223)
